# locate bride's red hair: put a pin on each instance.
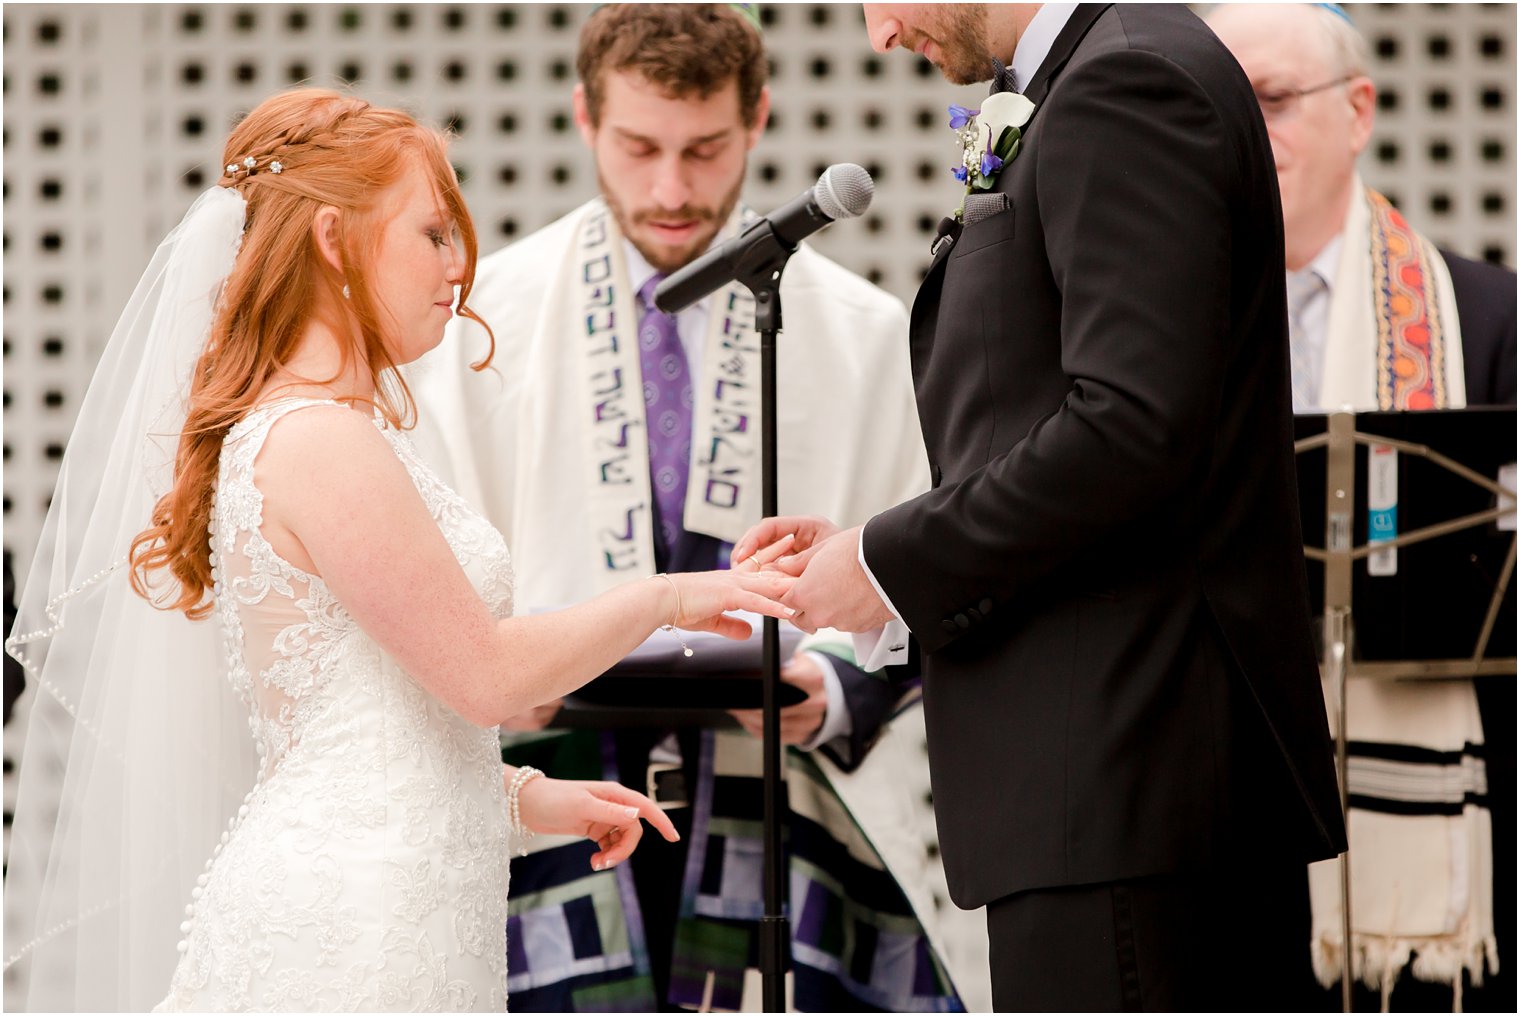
(333, 149)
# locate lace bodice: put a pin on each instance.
(368, 866)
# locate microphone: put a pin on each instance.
(842, 192)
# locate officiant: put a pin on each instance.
(1435, 332)
(610, 441)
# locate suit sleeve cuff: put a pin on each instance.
(885, 646)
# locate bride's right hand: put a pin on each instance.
(698, 601)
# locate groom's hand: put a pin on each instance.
(832, 590)
(804, 532)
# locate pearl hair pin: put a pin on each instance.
(249, 166)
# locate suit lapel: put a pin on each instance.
(926, 303)
(1075, 30)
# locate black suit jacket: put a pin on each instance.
(1485, 296)
(1107, 578)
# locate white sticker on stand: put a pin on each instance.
(1382, 508)
(1507, 501)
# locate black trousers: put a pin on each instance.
(1215, 941)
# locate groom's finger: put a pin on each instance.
(765, 555)
(762, 534)
(794, 564)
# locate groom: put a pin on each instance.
(1127, 736)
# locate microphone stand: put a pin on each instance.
(760, 273)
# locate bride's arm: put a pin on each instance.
(338, 502)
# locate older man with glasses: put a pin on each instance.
(1380, 319)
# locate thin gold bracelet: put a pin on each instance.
(685, 649)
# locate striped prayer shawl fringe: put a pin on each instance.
(1422, 877)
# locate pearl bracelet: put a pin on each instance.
(514, 811)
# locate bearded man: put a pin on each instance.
(610, 441)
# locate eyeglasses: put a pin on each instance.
(1283, 103)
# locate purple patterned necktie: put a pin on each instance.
(667, 406)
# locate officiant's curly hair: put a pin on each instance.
(686, 50)
(295, 153)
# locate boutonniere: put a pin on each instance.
(989, 139)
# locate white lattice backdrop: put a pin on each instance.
(114, 117)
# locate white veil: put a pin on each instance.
(134, 718)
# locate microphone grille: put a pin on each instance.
(843, 191)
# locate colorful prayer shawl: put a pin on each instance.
(1419, 827)
(1411, 340)
(1394, 341)
(575, 937)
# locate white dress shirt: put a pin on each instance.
(1034, 45)
(1310, 290)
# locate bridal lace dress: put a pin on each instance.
(367, 868)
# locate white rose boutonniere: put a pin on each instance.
(989, 138)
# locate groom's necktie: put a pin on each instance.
(667, 408)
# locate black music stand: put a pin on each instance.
(1455, 543)
(657, 685)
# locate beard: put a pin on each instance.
(963, 50)
(664, 257)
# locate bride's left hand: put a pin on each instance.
(607, 813)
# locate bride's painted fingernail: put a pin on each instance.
(790, 612)
(631, 812)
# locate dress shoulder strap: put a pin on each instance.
(259, 419)
(243, 441)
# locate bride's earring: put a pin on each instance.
(346, 294)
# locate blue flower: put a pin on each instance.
(960, 174)
(960, 116)
(990, 164)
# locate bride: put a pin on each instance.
(242, 536)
